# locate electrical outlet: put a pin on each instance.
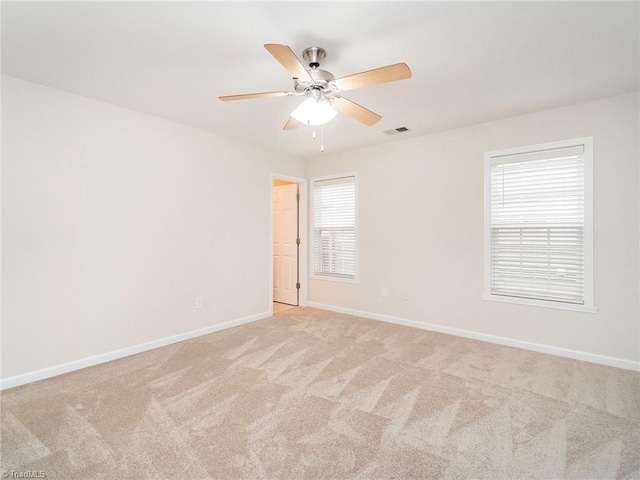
(199, 302)
(384, 292)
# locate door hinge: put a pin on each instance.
(297, 241)
(297, 196)
(298, 285)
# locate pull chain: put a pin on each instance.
(313, 135)
(322, 138)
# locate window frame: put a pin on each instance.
(588, 305)
(332, 278)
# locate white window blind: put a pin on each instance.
(537, 221)
(334, 224)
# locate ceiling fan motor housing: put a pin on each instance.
(320, 81)
(321, 77)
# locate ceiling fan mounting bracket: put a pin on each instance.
(313, 56)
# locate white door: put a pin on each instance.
(285, 251)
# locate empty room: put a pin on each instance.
(333, 240)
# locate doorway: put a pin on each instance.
(288, 241)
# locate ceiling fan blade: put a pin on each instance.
(291, 124)
(246, 96)
(355, 111)
(391, 73)
(288, 59)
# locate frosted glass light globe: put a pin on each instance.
(314, 112)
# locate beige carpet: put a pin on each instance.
(313, 394)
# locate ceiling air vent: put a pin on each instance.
(395, 131)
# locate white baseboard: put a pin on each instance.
(48, 372)
(510, 342)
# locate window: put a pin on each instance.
(334, 227)
(538, 225)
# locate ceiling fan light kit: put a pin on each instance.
(322, 90)
(314, 112)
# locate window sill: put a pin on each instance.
(540, 303)
(333, 279)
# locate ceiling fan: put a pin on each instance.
(322, 90)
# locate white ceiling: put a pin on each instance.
(471, 62)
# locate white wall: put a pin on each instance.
(114, 221)
(421, 230)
